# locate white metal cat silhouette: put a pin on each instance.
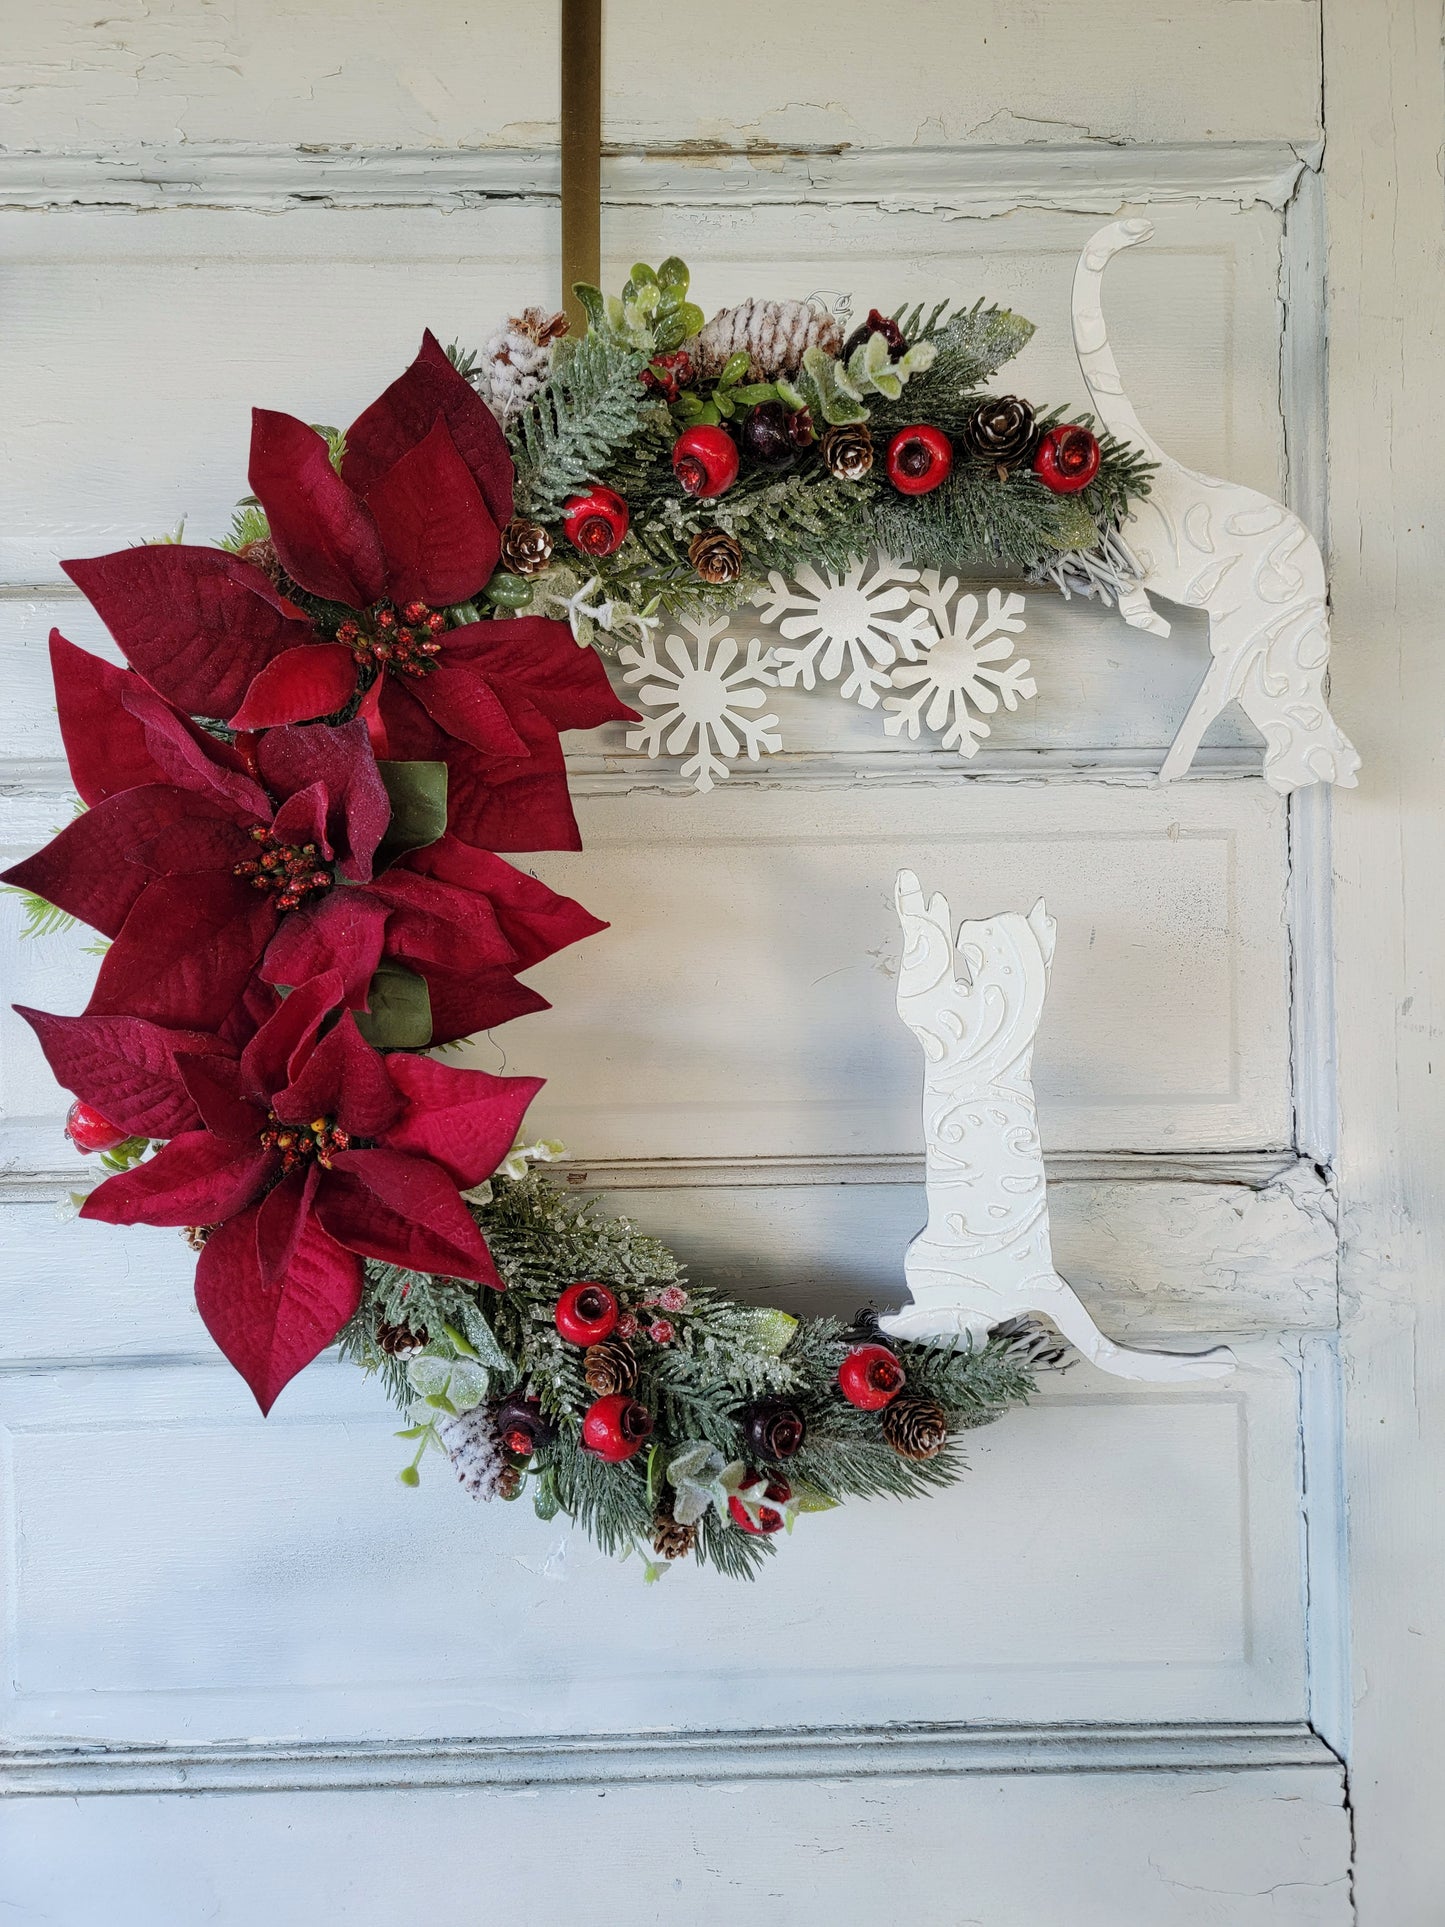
(984, 1255)
(1247, 560)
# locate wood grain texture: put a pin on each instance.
(1133, 1850)
(1387, 382)
(178, 1569)
(292, 70)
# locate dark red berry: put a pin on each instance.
(919, 458)
(668, 375)
(877, 324)
(615, 1427)
(1067, 459)
(585, 1313)
(869, 1377)
(88, 1130)
(596, 523)
(705, 460)
(767, 1520)
(766, 438)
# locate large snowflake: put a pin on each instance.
(699, 695)
(965, 674)
(855, 621)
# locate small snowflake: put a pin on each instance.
(700, 696)
(864, 626)
(954, 685)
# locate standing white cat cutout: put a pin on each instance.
(984, 1256)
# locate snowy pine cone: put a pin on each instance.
(774, 334)
(475, 1451)
(517, 360)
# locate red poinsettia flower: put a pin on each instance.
(205, 863)
(313, 1152)
(361, 569)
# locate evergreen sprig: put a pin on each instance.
(699, 1378)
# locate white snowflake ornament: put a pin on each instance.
(855, 621)
(965, 673)
(700, 696)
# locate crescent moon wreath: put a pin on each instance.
(334, 725)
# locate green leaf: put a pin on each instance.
(593, 305)
(674, 274)
(755, 393)
(508, 591)
(460, 1342)
(400, 1013)
(810, 1500)
(774, 1329)
(545, 1502)
(413, 1432)
(692, 318)
(409, 1475)
(734, 368)
(417, 792)
(642, 276)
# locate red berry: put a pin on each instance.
(1067, 459)
(869, 1377)
(705, 460)
(767, 1519)
(88, 1130)
(615, 1427)
(596, 523)
(919, 458)
(585, 1313)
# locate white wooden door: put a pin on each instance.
(1108, 1680)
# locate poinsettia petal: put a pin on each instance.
(341, 931)
(324, 536)
(195, 843)
(120, 735)
(269, 1332)
(195, 1179)
(199, 624)
(541, 658)
(536, 921)
(466, 1121)
(301, 819)
(284, 1041)
(344, 1079)
(464, 704)
(512, 803)
(217, 1090)
(185, 951)
(465, 1002)
(441, 544)
(316, 679)
(433, 922)
(281, 1220)
(126, 1067)
(404, 1211)
(87, 870)
(407, 411)
(341, 758)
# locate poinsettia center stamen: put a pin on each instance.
(290, 871)
(401, 640)
(297, 1144)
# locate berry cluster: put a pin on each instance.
(405, 642)
(297, 1144)
(290, 871)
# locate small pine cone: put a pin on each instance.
(196, 1235)
(848, 451)
(510, 1481)
(526, 547)
(475, 1451)
(400, 1341)
(716, 556)
(1000, 430)
(609, 1367)
(517, 360)
(671, 1540)
(774, 335)
(916, 1427)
